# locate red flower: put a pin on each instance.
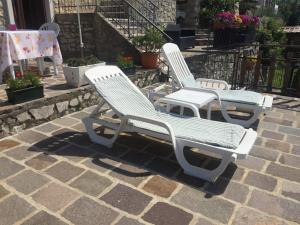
(18, 74)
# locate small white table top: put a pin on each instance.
(197, 98)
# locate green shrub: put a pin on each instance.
(151, 41)
(29, 79)
(88, 60)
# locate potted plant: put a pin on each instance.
(24, 88)
(125, 63)
(75, 68)
(150, 43)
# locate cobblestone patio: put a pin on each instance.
(53, 174)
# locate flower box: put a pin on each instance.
(26, 94)
(75, 75)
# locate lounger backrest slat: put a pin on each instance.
(178, 66)
(119, 92)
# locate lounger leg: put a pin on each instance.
(210, 175)
(244, 123)
(108, 142)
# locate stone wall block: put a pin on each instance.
(43, 112)
(74, 102)
(62, 106)
(23, 117)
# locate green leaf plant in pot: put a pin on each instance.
(150, 43)
(24, 88)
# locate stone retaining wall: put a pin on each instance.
(33, 113)
(2, 14)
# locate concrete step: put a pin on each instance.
(205, 41)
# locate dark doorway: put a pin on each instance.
(29, 14)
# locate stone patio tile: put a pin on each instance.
(164, 214)
(75, 153)
(21, 152)
(133, 141)
(50, 144)
(267, 126)
(264, 153)
(54, 196)
(128, 221)
(290, 160)
(291, 190)
(275, 114)
(202, 221)
(127, 199)
(164, 167)
(41, 161)
(27, 181)
(100, 163)
(160, 186)
(30, 136)
(261, 181)
(296, 149)
(47, 128)
(160, 149)
(80, 138)
(258, 141)
(7, 143)
(13, 209)
(66, 121)
(85, 211)
(252, 217)
(283, 122)
(80, 115)
(136, 157)
(190, 180)
(231, 190)
(3, 191)
(79, 127)
(274, 205)
(197, 201)
(290, 130)
(252, 163)
(91, 183)
(295, 140)
(64, 171)
(272, 135)
(8, 168)
(43, 218)
(284, 172)
(130, 174)
(278, 145)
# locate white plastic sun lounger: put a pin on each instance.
(137, 114)
(248, 101)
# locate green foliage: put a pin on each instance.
(209, 8)
(29, 79)
(124, 62)
(88, 60)
(152, 41)
(289, 11)
(270, 33)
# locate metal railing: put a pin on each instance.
(247, 67)
(127, 18)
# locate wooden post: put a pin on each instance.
(271, 73)
(257, 69)
(286, 76)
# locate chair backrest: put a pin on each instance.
(119, 92)
(178, 67)
(51, 26)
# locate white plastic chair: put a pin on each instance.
(40, 61)
(245, 100)
(138, 115)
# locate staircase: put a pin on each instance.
(131, 17)
(204, 37)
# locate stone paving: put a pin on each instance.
(53, 175)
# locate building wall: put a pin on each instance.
(2, 14)
(69, 34)
(167, 11)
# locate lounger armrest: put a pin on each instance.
(155, 122)
(178, 103)
(213, 81)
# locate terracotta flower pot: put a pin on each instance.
(149, 60)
